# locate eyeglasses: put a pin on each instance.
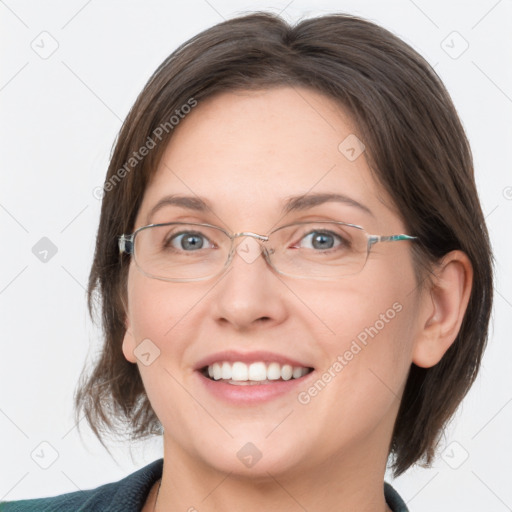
(180, 252)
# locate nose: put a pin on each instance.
(250, 293)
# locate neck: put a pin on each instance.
(345, 482)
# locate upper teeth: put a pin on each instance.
(259, 371)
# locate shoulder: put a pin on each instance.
(393, 499)
(126, 495)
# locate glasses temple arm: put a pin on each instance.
(125, 243)
(373, 239)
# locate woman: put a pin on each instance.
(294, 272)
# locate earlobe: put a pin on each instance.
(443, 311)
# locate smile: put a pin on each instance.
(259, 372)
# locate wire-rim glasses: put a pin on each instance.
(184, 251)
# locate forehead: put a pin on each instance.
(247, 151)
(262, 129)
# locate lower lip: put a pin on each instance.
(255, 393)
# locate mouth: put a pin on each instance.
(238, 373)
(250, 378)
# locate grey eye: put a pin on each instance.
(188, 241)
(322, 240)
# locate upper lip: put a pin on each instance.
(248, 357)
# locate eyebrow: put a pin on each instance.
(187, 202)
(294, 203)
(306, 201)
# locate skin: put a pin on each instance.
(245, 153)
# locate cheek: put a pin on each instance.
(159, 310)
(363, 335)
(372, 310)
(372, 347)
(159, 325)
(368, 350)
(160, 321)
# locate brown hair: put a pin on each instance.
(415, 146)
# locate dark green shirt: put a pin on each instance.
(127, 495)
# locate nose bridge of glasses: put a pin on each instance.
(243, 234)
(248, 251)
(263, 238)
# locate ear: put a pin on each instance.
(443, 309)
(129, 344)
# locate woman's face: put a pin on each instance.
(245, 155)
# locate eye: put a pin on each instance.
(188, 241)
(323, 240)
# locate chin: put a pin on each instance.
(255, 459)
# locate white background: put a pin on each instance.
(60, 116)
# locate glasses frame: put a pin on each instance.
(126, 243)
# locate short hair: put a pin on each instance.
(416, 149)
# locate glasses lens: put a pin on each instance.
(319, 249)
(181, 251)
